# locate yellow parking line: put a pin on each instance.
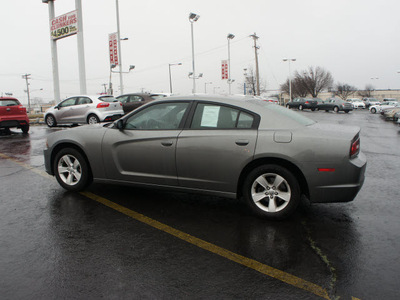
(247, 262)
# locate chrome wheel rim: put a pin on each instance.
(50, 121)
(69, 169)
(271, 192)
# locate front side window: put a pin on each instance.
(210, 116)
(161, 116)
(123, 99)
(68, 102)
(136, 99)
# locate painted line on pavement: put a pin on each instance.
(242, 260)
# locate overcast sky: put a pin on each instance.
(355, 40)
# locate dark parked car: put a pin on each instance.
(13, 114)
(232, 147)
(303, 103)
(133, 101)
(336, 105)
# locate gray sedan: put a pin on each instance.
(266, 154)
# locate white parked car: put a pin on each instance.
(84, 109)
(378, 108)
(357, 103)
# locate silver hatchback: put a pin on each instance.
(84, 109)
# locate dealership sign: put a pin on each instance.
(113, 48)
(64, 25)
(224, 69)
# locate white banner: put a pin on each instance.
(113, 48)
(64, 25)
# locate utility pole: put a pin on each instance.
(255, 38)
(26, 77)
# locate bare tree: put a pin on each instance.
(297, 89)
(344, 90)
(251, 83)
(367, 92)
(313, 80)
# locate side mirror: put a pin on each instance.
(56, 107)
(120, 124)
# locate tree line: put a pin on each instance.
(314, 80)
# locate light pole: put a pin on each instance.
(119, 49)
(230, 36)
(170, 80)
(290, 77)
(26, 77)
(193, 18)
(205, 86)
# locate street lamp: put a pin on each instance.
(230, 36)
(170, 80)
(205, 86)
(290, 75)
(193, 18)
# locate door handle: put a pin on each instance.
(242, 142)
(167, 144)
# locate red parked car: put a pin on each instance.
(13, 114)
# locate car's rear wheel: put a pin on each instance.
(312, 109)
(346, 111)
(336, 109)
(373, 110)
(51, 121)
(271, 191)
(300, 107)
(25, 128)
(71, 169)
(287, 106)
(93, 119)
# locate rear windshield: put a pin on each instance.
(286, 113)
(108, 99)
(9, 102)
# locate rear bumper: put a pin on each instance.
(13, 123)
(352, 180)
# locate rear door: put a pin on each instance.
(213, 151)
(79, 110)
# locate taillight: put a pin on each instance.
(355, 147)
(22, 109)
(103, 104)
(307, 102)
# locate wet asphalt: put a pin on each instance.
(56, 244)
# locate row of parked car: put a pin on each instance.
(390, 110)
(337, 104)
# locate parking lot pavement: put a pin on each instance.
(60, 244)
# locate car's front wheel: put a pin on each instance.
(51, 121)
(71, 169)
(271, 191)
(336, 109)
(373, 110)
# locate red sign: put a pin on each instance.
(113, 46)
(224, 69)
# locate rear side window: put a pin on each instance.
(210, 116)
(9, 102)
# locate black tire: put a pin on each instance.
(326, 110)
(272, 202)
(312, 109)
(287, 106)
(51, 121)
(71, 169)
(25, 128)
(346, 111)
(93, 119)
(336, 109)
(300, 107)
(373, 110)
